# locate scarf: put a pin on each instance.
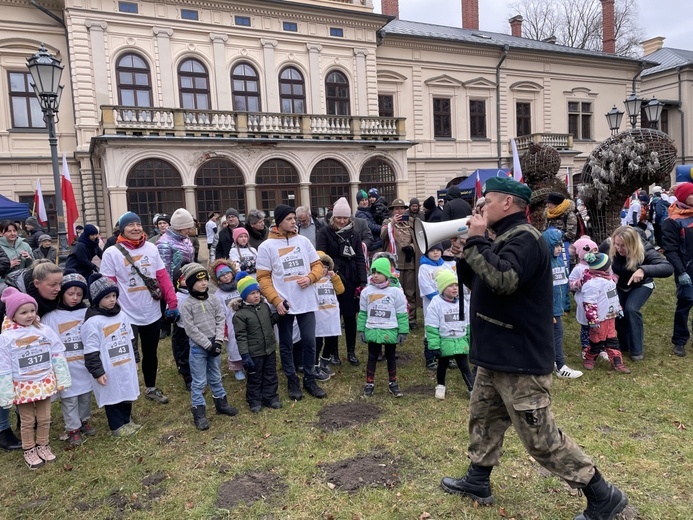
(98, 311)
(64, 307)
(198, 295)
(10, 324)
(680, 210)
(383, 285)
(556, 212)
(132, 244)
(227, 287)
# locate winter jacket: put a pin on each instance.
(446, 329)
(350, 265)
(561, 287)
(434, 215)
(383, 314)
(364, 234)
(203, 319)
(367, 215)
(654, 266)
(224, 244)
(255, 237)
(50, 254)
(23, 281)
(81, 256)
(175, 250)
(511, 310)
(404, 239)
(455, 206)
(33, 238)
(15, 251)
(254, 328)
(4, 264)
(677, 239)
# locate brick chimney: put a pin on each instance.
(608, 27)
(652, 45)
(516, 25)
(390, 7)
(470, 14)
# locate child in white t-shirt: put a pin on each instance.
(223, 274)
(242, 254)
(328, 328)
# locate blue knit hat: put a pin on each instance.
(128, 218)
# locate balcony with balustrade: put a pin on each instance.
(558, 141)
(178, 122)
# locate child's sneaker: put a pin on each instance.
(368, 390)
(156, 395)
(87, 429)
(45, 453)
(604, 356)
(432, 365)
(590, 360)
(394, 389)
(440, 391)
(33, 461)
(239, 375)
(74, 438)
(565, 372)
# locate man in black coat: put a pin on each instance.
(225, 242)
(455, 206)
(432, 212)
(33, 231)
(511, 314)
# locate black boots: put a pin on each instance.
(223, 407)
(313, 389)
(476, 484)
(200, 417)
(604, 501)
(8, 440)
(294, 385)
(351, 356)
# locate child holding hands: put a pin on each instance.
(32, 369)
(382, 321)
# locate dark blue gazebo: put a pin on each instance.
(468, 185)
(11, 210)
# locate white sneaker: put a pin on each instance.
(440, 391)
(604, 356)
(568, 373)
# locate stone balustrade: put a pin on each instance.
(558, 141)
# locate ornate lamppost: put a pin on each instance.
(46, 72)
(653, 111)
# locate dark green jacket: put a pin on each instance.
(254, 328)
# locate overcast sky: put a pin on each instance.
(668, 18)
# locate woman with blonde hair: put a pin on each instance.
(636, 263)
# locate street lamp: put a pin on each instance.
(633, 103)
(653, 111)
(46, 72)
(613, 118)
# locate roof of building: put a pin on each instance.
(477, 37)
(668, 59)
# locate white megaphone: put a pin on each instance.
(430, 233)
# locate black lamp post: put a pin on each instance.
(653, 111)
(614, 118)
(46, 72)
(633, 104)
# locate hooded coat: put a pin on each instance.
(455, 206)
(81, 256)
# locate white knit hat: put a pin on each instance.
(341, 208)
(182, 219)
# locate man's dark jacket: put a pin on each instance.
(225, 243)
(455, 206)
(511, 311)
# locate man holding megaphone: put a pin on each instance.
(511, 316)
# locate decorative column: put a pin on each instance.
(118, 198)
(353, 190)
(190, 200)
(250, 197)
(166, 72)
(271, 79)
(315, 79)
(361, 81)
(221, 77)
(97, 39)
(305, 194)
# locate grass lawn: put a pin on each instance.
(636, 427)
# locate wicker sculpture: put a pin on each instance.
(619, 166)
(540, 164)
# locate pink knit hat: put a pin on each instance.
(584, 245)
(238, 232)
(341, 208)
(13, 300)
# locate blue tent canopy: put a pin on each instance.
(468, 185)
(11, 210)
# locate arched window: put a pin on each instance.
(134, 82)
(329, 181)
(220, 185)
(377, 173)
(337, 90)
(277, 183)
(193, 84)
(245, 84)
(292, 91)
(154, 186)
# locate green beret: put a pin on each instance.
(509, 186)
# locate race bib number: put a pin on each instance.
(451, 317)
(76, 347)
(292, 265)
(380, 314)
(34, 362)
(119, 353)
(325, 290)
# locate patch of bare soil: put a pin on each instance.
(374, 470)
(249, 488)
(153, 479)
(123, 504)
(346, 415)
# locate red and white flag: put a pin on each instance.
(40, 205)
(517, 169)
(71, 211)
(478, 186)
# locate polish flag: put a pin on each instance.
(72, 213)
(40, 205)
(517, 169)
(478, 186)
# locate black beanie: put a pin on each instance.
(555, 198)
(281, 212)
(429, 203)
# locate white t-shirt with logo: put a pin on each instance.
(134, 298)
(289, 260)
(603, 292)
(225, 297)
(382, 306)
(575, 275)
(327, 323)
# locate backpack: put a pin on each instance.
(661, 208)
(581, 224)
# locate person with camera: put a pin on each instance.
(511, 315)
(136, 266)
(399, 239)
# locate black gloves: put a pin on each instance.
(408, 253)
(215, 349)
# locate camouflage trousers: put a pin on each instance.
(501, 399)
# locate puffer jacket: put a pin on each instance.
(175, 250)
(80, 258)
(561, 287)
(654, 266)
(367, 215)
(254, 328)
(15, 251)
